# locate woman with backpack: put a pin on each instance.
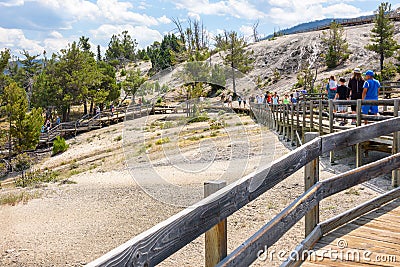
(356, 84)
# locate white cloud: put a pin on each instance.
(56, 35)
(194, 16)
(164, 20)
(235, 8)
(11, 3)
(291, 12)
(15, 40)
(143, 35)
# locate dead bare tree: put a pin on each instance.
(255, 31)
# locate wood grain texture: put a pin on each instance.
(354, 213)
(245, 254)
(360, 134)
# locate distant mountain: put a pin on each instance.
(309, 26)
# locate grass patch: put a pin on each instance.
(15, 198)
(37, 177)
(167, 125)
(162, 141)
(200, 118)
(352, 191)
(118, 138)
(196, 138)
(214, 134)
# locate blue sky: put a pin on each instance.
(38, 25)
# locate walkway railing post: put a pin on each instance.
(311, 177)
(320, 110)
(292, 138)
(359, 145)
(216, 237)
(311, 116)
(304, 112)
(331, 120)
(396, 146)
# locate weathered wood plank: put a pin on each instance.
(354, 213)
(360, 134)
(311, 177)
(216, 237)
(296, 258)
(245, 254)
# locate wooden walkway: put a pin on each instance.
(371, 240)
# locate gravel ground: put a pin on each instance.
(72, 224)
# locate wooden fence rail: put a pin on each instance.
(156, 244)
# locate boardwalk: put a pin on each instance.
(371, 240)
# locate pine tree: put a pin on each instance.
(382, 34)
(23, 128)
(337, 46)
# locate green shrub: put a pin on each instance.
(162, 141)
(200, 118)
(36, 177)
(59, 145)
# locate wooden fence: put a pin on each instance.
(294, 120)
(161, 241)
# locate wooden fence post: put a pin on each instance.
(320, 110)
(311, 116)
(297, 122)
(311, 177)
(216, 237)
(303, 129)
(358, 146)
(331, 119)
(292, 137)
(396, 146)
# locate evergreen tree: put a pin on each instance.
(382, 34)
(337, 46)
(98, 53)
(236, 55)
(4, 60)
(23, 128)
(133, 82)
(121, 48)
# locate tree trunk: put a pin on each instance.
(233, 82)
(85, 109)
(9, 143)
(381, 61)
(68, 112)
(91, 107)
(64, 113)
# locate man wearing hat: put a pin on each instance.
(356, 85)
(370, 92)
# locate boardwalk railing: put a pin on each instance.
(87, 123)
(158, 243)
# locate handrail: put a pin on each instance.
(246, 253)
(156, 244)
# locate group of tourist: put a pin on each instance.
(356, 88)
(274, 99)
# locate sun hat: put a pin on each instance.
(357, 70)
(369, 73)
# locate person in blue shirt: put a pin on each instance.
(370, 92)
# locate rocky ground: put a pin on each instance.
(118, 172)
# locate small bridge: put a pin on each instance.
(209, 215)
(87, 123)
